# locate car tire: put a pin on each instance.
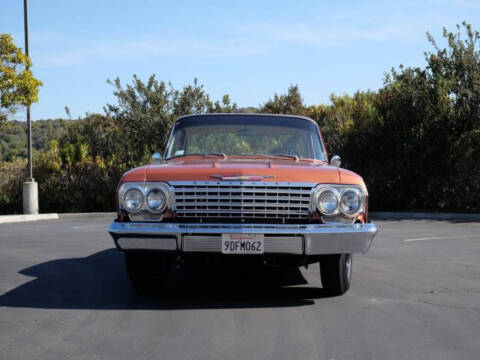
(147, 273)
(336, 273)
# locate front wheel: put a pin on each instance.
(336, 273)
(147, 272)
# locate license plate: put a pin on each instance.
(242, 243)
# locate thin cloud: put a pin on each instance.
(241, 40)
(324, 36)
(154, 46)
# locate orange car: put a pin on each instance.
(245, 186)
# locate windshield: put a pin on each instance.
(245, 135)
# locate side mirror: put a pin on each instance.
(156, 158)
(336, 161)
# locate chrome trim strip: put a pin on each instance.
(317, 238)
(241, 177)
(243, 183)
(140, 243)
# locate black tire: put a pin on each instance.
(147, 272)
(336, 273)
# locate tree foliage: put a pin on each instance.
(432, 118)
(141, 119)
(18, 87)
(290, 103)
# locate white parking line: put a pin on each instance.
(442, 237)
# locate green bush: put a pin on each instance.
(71, 180)
(12, 176)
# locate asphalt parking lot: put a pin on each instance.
(64, 295)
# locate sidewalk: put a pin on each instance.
(394, 215)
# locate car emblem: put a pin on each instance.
(242, 177)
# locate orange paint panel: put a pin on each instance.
(209, 169)
(205, 169)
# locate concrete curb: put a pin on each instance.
(4, 219)
(423, 216)
(96, 215)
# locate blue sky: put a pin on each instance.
(248, 49)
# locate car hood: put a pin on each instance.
(268, 170)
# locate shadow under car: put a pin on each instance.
(99, 281)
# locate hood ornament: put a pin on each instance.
(242, 177)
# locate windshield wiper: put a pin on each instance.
(206, 154)
(218, 154)
(295, 157)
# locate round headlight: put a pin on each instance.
(328, 202)
(350, 202)
(156, 200)
(133, 200)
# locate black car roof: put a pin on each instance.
(247, 115)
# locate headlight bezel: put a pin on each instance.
(339, 190)
(145, 188)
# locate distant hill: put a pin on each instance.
(13, 137)
(249, 109)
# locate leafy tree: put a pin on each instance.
(430, 145)
(289, 103)
(98, 132)
(194, 100)
(18, 87)
(143, 115)
(346, 124)
(223, 107)
(145, 111)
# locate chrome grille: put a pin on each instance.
(242, 199)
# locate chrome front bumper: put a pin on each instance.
(309, 239)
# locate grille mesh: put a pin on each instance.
(242, 200)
